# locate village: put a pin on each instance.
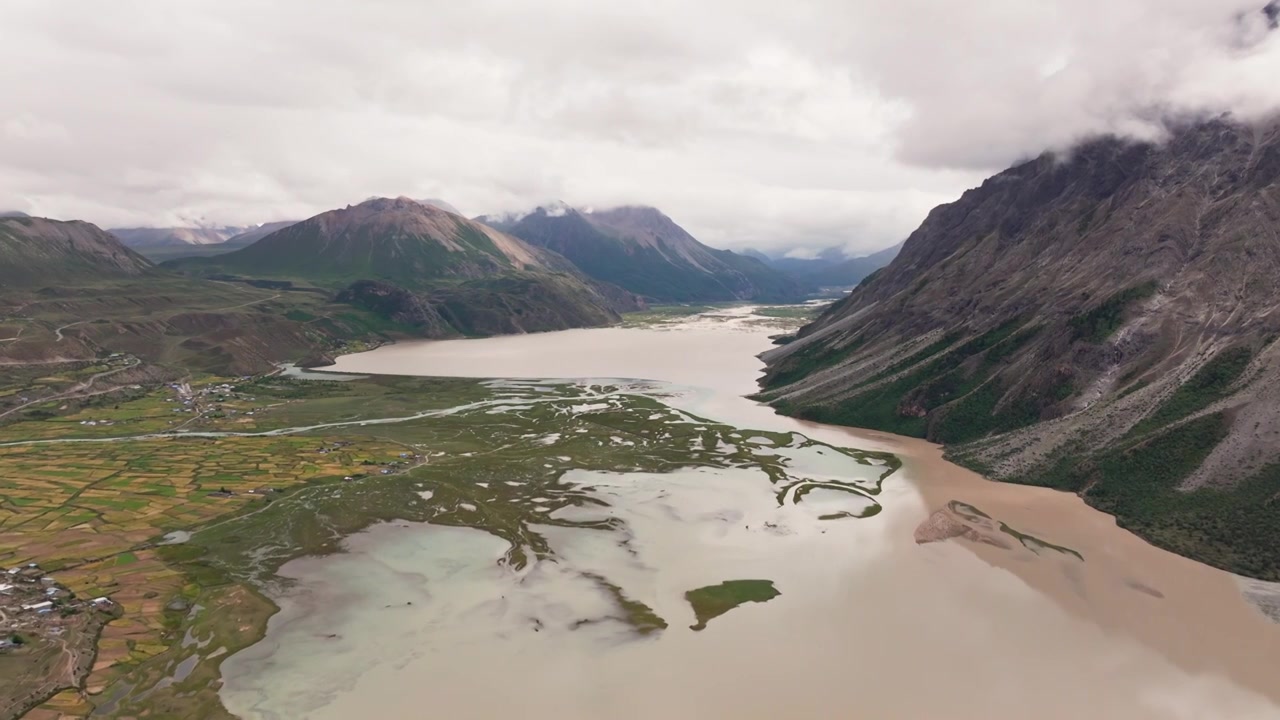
(47, 635)
(34, 606)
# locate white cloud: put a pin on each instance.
(755, 124)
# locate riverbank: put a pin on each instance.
(1195, 615)
(1124, 593)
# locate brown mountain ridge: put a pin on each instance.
(1101, 322)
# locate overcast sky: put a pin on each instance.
(753, 123)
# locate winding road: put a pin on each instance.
(79, 387)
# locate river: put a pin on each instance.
(1062, 616)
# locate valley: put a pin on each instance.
(215, 512)
(568, 361)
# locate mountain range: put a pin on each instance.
(70, 291)
(646, 252)
(159, 237)
(638, 248)
(1101, 321)
(831, 269)
(439, 271)
(160, 244)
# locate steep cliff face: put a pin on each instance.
(1100, 321)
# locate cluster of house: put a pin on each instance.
(223, 492)
(189, 398)
(33, 601)
(407, 460)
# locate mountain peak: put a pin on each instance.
(641, 249)
(399, 239)
(634, 210)
(400, 202)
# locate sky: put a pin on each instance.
(786, 127)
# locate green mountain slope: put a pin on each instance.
(478, 280)
(644, 251)
(1102, 323)
(397, 240)
(71, 292)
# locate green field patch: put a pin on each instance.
(713, 601)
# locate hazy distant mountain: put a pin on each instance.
(253, 235)
(644, 251)
(418, 263)
(158, 237)
(1102, 322)
(13, 214)
(831, 268)
(35, 252)
(164, 251)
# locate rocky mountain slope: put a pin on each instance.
(1101, 321)
(644, 251)
(36, 251)
(392, 254)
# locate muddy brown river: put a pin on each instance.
(928, 610)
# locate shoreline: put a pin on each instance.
(1124, 584)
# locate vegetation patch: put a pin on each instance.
(1211, 383)
(1035, 544)
(639, 616)
(1234, 526)
(1098, 324)
(903, 405)
(713, 601)
(808, 360)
